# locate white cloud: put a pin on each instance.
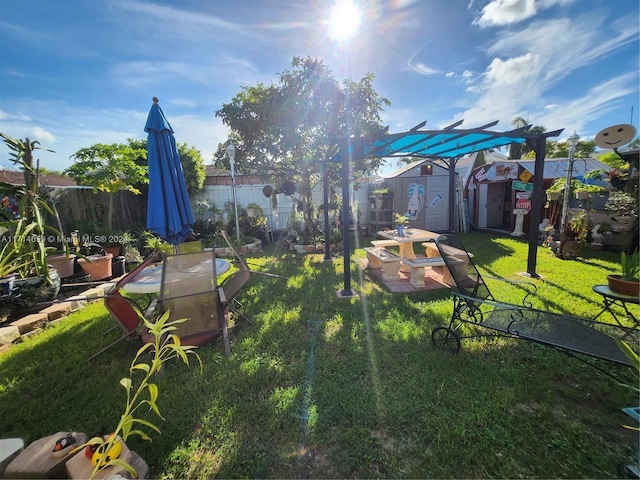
(507, 12)
(576, 113)
(14, 117)
(423, 69)
(529, 63)
(42, 135)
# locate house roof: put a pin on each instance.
(557, 167)
(52, 180)
(463, 164)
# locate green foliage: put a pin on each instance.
(622, 203)
(555, 149)
(25, 247)
(165, 347)
(518, 150)
(579, 225)
(109, 168)
(286, 131)
(401, 218)
(193, 167)
(380, 191)
(613, 160)
(630, 264)
(575, 186)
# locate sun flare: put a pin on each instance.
(344, 20)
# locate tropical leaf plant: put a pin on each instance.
(164, 347)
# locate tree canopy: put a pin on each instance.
(116, 167)
(283, 132)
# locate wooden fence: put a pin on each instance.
(79, 207)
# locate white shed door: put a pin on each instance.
(436, 204)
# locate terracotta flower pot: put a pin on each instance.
(114, 250)
(623, 287)
(63, 264)
(98, 268)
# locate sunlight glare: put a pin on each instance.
(344, 20)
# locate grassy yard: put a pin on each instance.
(324, 387)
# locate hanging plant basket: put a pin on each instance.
(554, 196)
(582, 195)
(289, 187)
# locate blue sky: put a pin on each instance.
(77, 72)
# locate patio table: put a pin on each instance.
(609, 298)
(406, 241)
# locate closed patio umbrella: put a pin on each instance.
(168, 210)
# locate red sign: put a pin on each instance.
(524, 203)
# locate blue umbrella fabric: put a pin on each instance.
(168, 210)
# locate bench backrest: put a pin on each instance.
(467, 277)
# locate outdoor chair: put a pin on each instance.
(189, 290)
(476, 306)
(122, 308)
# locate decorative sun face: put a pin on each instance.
(344, 20)
(615, 136)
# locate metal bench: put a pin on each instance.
(475, 305)
(390, 262)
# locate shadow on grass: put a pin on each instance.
(318, 386)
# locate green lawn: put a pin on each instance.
(323, 387)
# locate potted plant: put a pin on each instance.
(35, 280)
(583, 190)
(576, 235)
(63, 263)
(254, 210)
(9, 265)
(401, 220)
(628, 282)
(379, 194)
(97, 265)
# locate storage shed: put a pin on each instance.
(421, 191)
(493, 189)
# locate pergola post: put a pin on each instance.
(540, 147)
(325, 194)
(452, 195)
(345, 157)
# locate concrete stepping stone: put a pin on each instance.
(38, 459)
(80, 467)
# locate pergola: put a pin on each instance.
(443, 147)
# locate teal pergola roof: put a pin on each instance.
(449, 142)
(444, 144)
